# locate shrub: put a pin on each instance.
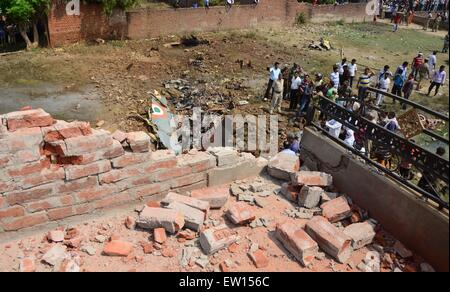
(300, 18)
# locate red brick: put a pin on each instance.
(259, 259)
(25, 221)
(116, 175)
(159, 235)
(19, 197)
(149, 190)
(113, 151)
(290, 191)
(131, 159)
(217, 196)
(223, 267)
(336, 209)
(54, 173)
(153, 204)
(49, 203)
(78, 171)
(148, 247)
(192, 202)
(8, 186)
(28, 119)
(158, 165)
(329, 238)
(119, 136)
(27, 138)
(27, 155)
(60, 213)
(83, 209)
(4, 160)
(138, 141)
(187, 180)
(76, 185)
(29, 168)
(95, 193)
(312, 178)
(62, 130)
(241, 213)
(297, 242)
(27, 265)
(199, 161)
(172, 173)
(14, 211)
(87, 144)
(118, 248)
(2, 202)
(130, 222)
(113, 200)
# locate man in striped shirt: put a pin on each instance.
(363, 83)
(438, 80)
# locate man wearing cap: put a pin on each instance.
(274, 72)
(417, 61)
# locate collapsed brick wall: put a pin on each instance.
(51, 169)
(93, 23)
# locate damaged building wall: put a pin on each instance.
(52, 169)
(92, 23)
(401, 212)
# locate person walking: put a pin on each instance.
(334, 76)
(274, 72)
(277, 94)
(417, 61)
(432, 60)
(436, 23)
(438, 80)
(424, 73)
(363, 83)
(445, 48)
(206, 4)
(294, 95)
(383, 85)
(426, 25)
(407, 89)
(352, 68)
(399, 80)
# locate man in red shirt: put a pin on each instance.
(417, 61)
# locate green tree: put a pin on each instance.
(25, 13)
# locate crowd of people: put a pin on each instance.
(300, 88)
(346, 86)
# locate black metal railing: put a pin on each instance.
(423, 160)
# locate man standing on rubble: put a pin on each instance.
(277, 94)
(274, 73)
(295, 85)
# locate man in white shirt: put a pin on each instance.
(274, 72)
(383, 85)
(352, 67)
(438, 80)
(295, 85)
(432, 61)
(334, 76)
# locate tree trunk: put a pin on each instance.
(23, 33)
(35, 35)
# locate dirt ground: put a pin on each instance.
(279, 258)
(111, 81)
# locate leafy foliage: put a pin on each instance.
(23, 11)
(109, 5)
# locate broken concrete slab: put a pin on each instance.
(225, 156)
(336, 209)
(361, 234)
(309, 197)
(151, 218)
(240, 213)
(312, 178)
(283, 165)
(330, 239)
(55, 255)
(216, 196)
(297, 242)
(217, 238)
(193, 218)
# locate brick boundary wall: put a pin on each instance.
(143, 23)
(52, 169)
